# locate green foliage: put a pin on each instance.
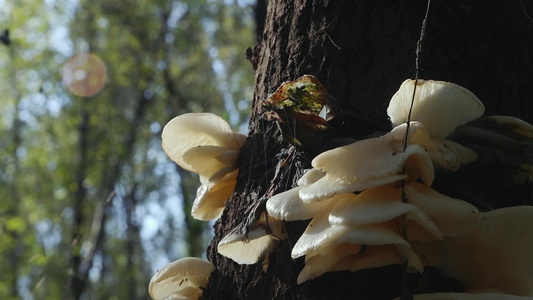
(71, 165)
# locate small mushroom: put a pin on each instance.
(440, 106)
(181, 279)
(247, 246)
(247, 249)
(288, 206)
(211, 197)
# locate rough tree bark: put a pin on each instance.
(361, 51)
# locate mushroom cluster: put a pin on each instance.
(205, 144)
(182, 279)
(355, 196)
(371, 202)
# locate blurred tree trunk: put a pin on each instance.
(362, 51)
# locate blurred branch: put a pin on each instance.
(96, 235)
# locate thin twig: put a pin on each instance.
(417, 68)
(405, 294)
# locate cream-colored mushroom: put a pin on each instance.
(495, 253)
(211, 197)
(325, 245)
(288, 206)
(183, 279)
(366, 164)
(321, 236)
(371, 257)
(440, 106)
(368, 159)
(192, 130)
(248, 247)
(205, 144)
(375, 206)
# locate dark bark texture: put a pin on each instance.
(362, 50)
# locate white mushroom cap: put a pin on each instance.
(184, 277)
(320, 236)
(328, 186)
(377, 205)
(191, 130)
(319, 233)
(495, 253)
(368, 163)
(247, 249)
(339, 259)
(440, 106)
(367, 159)
(211, 162)
(311, 176)
(289, 206)
(322, 262)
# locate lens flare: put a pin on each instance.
(84, 74)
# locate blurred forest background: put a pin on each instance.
(90, 206)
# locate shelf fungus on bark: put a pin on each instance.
(254, 238)
(441, 107)
(249, 246)
(355, 231)
(371, 203)
(205, 144)
(183, 279)
(369, 163)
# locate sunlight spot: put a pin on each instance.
(84, 74)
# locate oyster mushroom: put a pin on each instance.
(205, 144)
(181, 279)
(440, 106)
(366, 164)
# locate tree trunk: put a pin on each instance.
(362, 51)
